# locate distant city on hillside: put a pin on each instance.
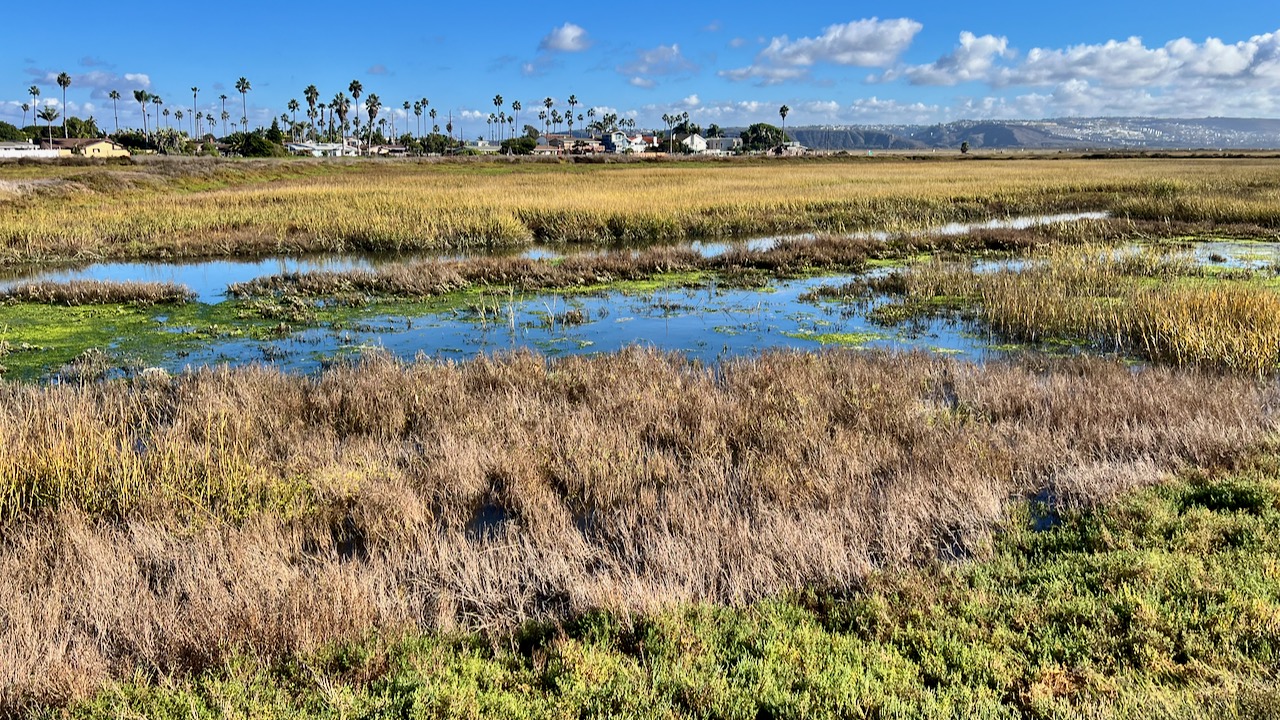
(1063, 133)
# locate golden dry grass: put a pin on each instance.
(183, 209)
(166, 525)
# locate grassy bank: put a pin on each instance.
(181, 209)
(1164, 604)
(166, 526)
(1158, 305)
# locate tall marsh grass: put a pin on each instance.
(1161, 305)
(190, 209)
(173, 524)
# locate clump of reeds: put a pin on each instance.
(1159, 304)
(97, 292)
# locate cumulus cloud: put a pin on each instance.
(862, 43)
(661, 61)
(566, 38)
(973, 59)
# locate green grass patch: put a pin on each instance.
(1165, 604)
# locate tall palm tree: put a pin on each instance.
(115, 95)
(516, 107)
(243, 87)
(784, 111)
(591, 117)
(178, 115)
(372, 105)
(573, 104)
(34, 92)
(424, 104)
(166, 117)
(417, 114)
(25, 108)
(223, 98)
(340, 105)
(64, 82)
(433, 119)
(547, 103)
(195, 92)
(49, 113)
(197, 119)
(293, 108)
(356, 89)
(155, 100)
(142, 97)
(226, 116)
(312, 96)
(542, 115)
(406, 117)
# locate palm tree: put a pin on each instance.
(312, 96)
(591, 116)
(195, 92)
(155, 100)
(243, 87)
(406, 117)
(34, 92)
(542, 115)
(178, 114)
(223, 98)
(142, 97)
(355, 88)
(573, 104)
(25, 108)
(226, 116)
(49, 113)
(783, 111)
(115, 95)
(372, 105)
(547, 103)
(198, 119)
(293, 108)
(64, 82)
(433, 120)
(166, 117)
(340, 105)
(417, 113)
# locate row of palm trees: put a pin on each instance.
(501, 125)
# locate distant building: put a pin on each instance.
(319, 149)
(724, 145)
(26, 149)
(695, 142)
(618, 142)
(789, 149)
(88, 147)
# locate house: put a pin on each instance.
(695, 142)
(88, 147)
(724, 145)
(618, 142)
(26, 149)
(389, 151)
(319, 149)
(790, 149)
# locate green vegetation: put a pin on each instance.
(1162, 605)
(1155, 304)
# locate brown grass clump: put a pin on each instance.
(97, 292)
(1161, 305)
(164, 525)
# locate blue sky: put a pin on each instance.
(730, 63)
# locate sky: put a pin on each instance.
(832, 63)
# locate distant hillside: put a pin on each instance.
(1062, 133)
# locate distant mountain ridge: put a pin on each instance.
(1060, 133)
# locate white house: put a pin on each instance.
(695, 142)
(723, 145)
(26, 149)
(319, 149)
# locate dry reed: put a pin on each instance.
(165, 525)
(97, 292)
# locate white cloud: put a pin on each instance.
(862, 43)
(566, 38)
(664, 60)
(640, 82)
(692, 101)
(971, 60)
(737, 42)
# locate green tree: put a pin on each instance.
(9, 133)
(372, 105)
(784, 111)
(243, 87)
(762, 136)
(142, 97)
(274, 134)
(312, 96)
(964, 148)
(49, 113)
(293, 108)
(195, 92)
(64, 82)
(523, 145)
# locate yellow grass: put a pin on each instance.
(226, 208)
